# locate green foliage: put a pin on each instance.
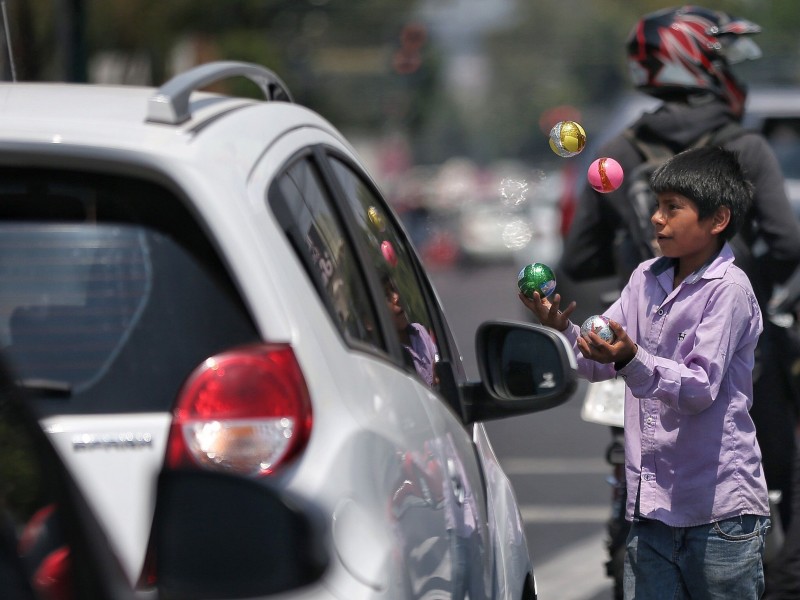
(20, 477)
(338, 57)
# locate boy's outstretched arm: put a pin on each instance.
(549, 313)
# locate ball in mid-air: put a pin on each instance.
(605, 175)
(388, 252)
(375, 218)
(536, 277)
(599, 324)
(567, 138)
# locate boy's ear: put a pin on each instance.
(720, 219)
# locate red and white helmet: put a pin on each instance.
(691, 49)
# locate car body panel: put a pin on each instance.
(114, 460)
(415, 487)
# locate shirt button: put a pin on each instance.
(649, 420)
(661, 312)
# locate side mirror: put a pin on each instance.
(223, 536)
(524, 368)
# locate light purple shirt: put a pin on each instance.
(690, 444)
(423, 351)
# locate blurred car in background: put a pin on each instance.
(517, 220)
(502, 213)
(505, 212)
(195, 281)
(775, 112)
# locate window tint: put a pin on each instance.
(70, 295)
(303, 207)
(394, 265)
(110, 294)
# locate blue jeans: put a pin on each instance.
(720, 561)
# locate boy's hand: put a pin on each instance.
(620, 352)
(548, 312)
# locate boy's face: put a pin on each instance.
(396, 310)
(682, 234)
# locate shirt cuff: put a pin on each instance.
(572, 332)
(639, 369)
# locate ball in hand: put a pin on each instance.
(599, 324)
(536, 277)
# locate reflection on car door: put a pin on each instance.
(395, 467)
(463, 492)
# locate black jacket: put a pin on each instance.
(589, 250)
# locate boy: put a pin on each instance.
(686, 327)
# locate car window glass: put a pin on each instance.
(92, 308)
(393, 263)
(71, 294)
(303, 207)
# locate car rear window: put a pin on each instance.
(110, 314)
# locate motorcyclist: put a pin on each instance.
(683, 56)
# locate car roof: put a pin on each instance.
(209, 151)
(94, 117)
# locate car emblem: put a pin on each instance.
(122, 440)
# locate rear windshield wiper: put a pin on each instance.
(50, 387)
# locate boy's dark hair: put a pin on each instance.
(710, 177)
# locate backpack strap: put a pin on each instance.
(640, 196)
(651, 151)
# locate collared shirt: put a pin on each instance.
(690, 444)
(422, 350)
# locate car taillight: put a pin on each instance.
(53, 579)
(244, 411)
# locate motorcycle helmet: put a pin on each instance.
(690, 49)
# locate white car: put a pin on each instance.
(196, 281)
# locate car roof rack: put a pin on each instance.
(170, 104)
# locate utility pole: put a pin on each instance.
(72, 38)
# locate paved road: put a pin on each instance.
(554, 459)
